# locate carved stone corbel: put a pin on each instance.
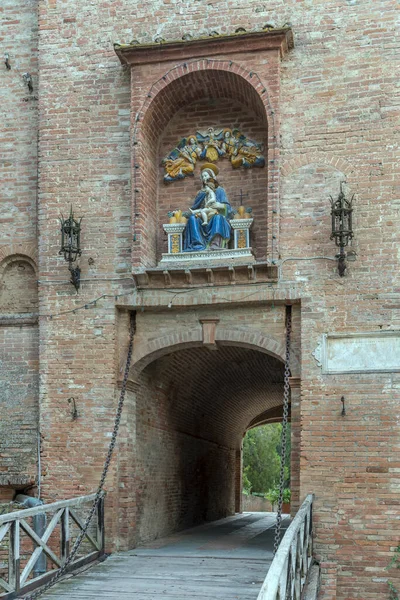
(209, 326)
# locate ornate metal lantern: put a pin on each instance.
(342, 227)
(71, 245)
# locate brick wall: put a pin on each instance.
(19, 390)
(19, 128)
(338, 118)
(182, 479)
(18, 288)
(19, 354)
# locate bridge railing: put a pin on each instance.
(288, 572)
(31, 554)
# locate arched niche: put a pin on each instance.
(190, 102)
(18, 285)
(19, 357)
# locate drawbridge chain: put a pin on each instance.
(99, 492)
(286, 393)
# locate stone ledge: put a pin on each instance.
(17, 320)
(187, 259)
(13, 480)
(183, 276)
(254, 41)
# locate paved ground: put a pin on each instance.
(223, 560)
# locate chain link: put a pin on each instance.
(99, 492)
(286, 394)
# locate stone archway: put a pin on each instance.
(145, 353)
(189, 408)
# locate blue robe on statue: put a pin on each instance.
(198, 237)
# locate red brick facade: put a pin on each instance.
(327, 112)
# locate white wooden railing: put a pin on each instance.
(21, 546)
(288, 572)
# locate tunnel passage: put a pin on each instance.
(192, 409)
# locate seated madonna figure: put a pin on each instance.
(208, 227)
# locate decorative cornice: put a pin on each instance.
(195, 275)
(17, 320)
(139, 54)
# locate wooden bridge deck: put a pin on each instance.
(223, 560)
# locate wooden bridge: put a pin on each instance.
(226, 559)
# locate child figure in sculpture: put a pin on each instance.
(210, 205)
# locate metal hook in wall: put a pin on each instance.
(74, 411)
(28, 80)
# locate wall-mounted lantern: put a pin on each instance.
(71, 245)
(342, 227)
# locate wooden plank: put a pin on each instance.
(101, 539)
(42, 547)
(14, 557)
(44, 508)
(65, 535)
(80, 524)
(42, 544)
(227, 560)
(4, 530)
(172, 578)
(6, 586)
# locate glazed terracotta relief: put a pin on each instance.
(205, 230)
(212, 145)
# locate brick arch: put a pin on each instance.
(177, 88)
(272, 415)
(21, 250)
(148, 353)
(18, 291)
(16, 257)
(323, 158)
(178, 84)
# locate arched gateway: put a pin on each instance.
(189, 404)
(209, 347)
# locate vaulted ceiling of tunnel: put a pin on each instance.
(216, 394)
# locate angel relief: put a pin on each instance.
(182, 160)
(212, 145)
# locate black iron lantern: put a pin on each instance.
(342, 226)
(71, 245)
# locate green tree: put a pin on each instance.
(261, 457)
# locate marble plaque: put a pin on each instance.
(360, 352)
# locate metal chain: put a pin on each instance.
(286, 394)
(99, 492)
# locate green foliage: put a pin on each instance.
(395, 562)
(261, 458)
(273, 495)
(393, 591)
(246, 482)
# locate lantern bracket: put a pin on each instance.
(71, 245)
(342, 226)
